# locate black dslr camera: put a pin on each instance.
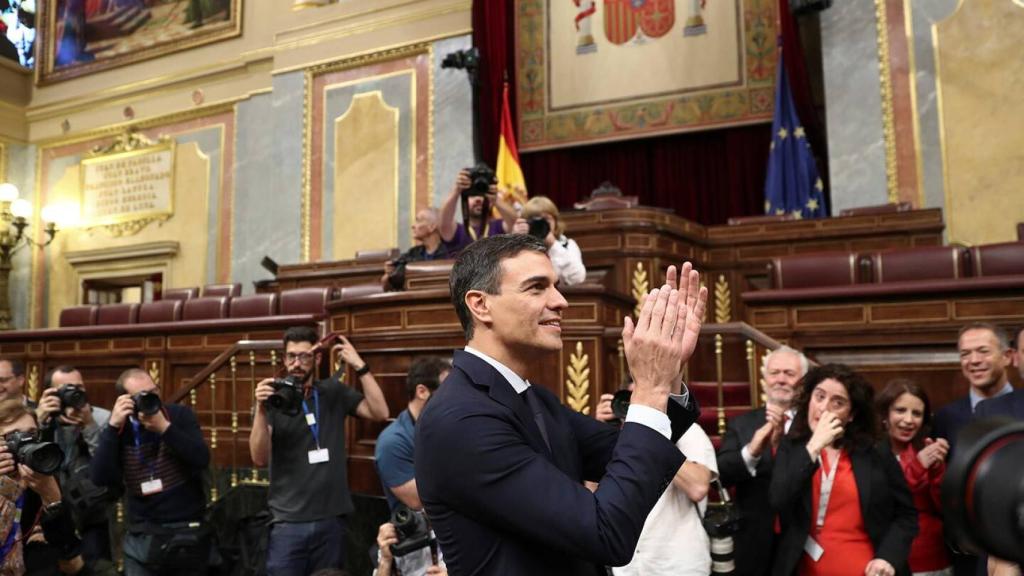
(481, 177)
(467, 59)
(71, 396)
(28, 449)
(287, 396)
(413, 531)
(147, 403)
(620, 404)
(539, 227)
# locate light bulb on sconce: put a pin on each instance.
(8, 192)
(21, 208)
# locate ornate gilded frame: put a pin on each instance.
(46, 49)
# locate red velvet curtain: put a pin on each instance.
(704, 176)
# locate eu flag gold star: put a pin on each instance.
(799, 132)
(783, 133)
(767, 206)
(779, 211)
(798, 215)
(819, 185)
(812, 204)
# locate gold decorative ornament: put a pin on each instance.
(33, 381)
(888, 116)
(154, 372)
(577, 385)
(721, 385)
(640, 287)
(723, 300)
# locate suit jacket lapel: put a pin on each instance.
(500, 390)
(862, 469)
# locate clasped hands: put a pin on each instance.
(664, 335)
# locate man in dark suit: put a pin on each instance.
(746, 457)
(1011, 405)
(985, 356)
(500, 474)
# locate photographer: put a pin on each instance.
(299, 429)
(477, 190)
(12, 381)
(539, 217)
(30, 501)
(68, 419)
(428, 247)
(156, 453)
(387, 536)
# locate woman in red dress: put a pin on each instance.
(906, 413)
(843, 504)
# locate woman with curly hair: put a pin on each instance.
(843, 505)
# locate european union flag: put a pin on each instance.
(793, 186)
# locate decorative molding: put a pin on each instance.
(164, 249)
(33, 381)
(154, 372)
(577, 384)
(888, 116)
(723, 300)
(640, 287)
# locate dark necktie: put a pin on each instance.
(538, 415)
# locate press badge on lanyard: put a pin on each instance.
(154, 485)
(811, 546)
(320, 455)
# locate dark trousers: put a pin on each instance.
(96, 543)
(153, 554)
(302, 548)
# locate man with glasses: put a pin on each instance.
(76, 426)
(12, 381)
(309, 497)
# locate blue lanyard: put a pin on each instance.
(15, 529)
(138, 449)
(314, 427)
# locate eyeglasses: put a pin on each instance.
(303, 357)
(6, 379)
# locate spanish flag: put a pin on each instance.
(508, 172)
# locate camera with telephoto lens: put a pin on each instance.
(28, 449)
(467, 59)
(147, 403)
(481, 177)
(983, 489)
(71, 396)
(722, 520)
(287, 396)
(539, 227)
(413, 531)
(620, 404)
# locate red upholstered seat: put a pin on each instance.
(222, 290)
(160, 311)
(207, 308)
(921, 263)
(180, 293)
(814, 270)
(878, 209)
(303, 301)
(376, 255)
(78, 316)
(254, 306)
(733, 393)
(117, 314)
(998, 259)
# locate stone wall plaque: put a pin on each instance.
(134, 185)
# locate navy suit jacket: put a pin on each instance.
(951, 419)
(500, 502)
(886, 506)
(755, 538)
(1011, 405)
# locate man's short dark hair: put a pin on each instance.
(63, 369)
(479, 268)
(301, 334)
(999, 332)
(17, 366)
(128, 375)
(426, 371)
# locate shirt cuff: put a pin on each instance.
(750, 460)
(650, 417)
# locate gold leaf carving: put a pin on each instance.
(154, 372)
(33, 381)
(723, 300)
(577, 386)
(640, 286)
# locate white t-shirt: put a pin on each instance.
(673, 541)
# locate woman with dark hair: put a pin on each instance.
(843, 505)
(906, 414)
